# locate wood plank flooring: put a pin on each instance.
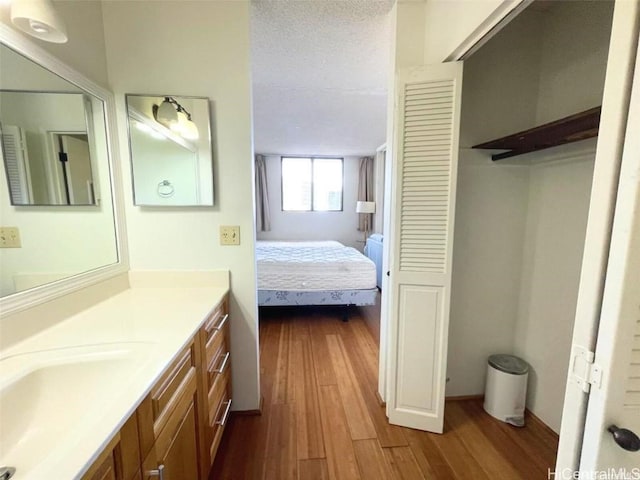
(321, 418)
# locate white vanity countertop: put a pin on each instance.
(161, 318)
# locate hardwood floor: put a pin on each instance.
(321, 418)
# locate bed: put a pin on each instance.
(313, 273)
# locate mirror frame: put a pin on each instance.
(43, 293)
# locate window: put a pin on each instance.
(312, 184)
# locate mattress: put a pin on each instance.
(311, 266)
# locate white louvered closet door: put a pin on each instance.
(16, 164)
(423, 202)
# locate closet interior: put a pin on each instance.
(530, 111)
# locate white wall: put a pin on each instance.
(341, 226)
(572, 77)
(449, 23)
(499, 96)
(489, 233)
(202, 50)
(554, 241)
(501, 88)
(408, 42)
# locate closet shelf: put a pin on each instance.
(576, 127)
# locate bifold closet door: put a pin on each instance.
(423, 201)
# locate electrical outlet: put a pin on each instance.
(10, 237)
(229, 235)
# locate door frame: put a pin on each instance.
(54, 168)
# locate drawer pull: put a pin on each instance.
(222, 322)
(222, 367)
(223, 420)
(159, 472)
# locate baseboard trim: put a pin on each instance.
(381, 402)
(528, 413)
(462, 398)
(248, 413)
(535, 419)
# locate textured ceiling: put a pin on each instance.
(320, 72)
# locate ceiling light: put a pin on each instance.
(39, 19)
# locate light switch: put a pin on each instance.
(10, 237)
(229, 235)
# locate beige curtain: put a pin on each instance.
(263, 217)
(365, 189)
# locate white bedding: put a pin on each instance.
(308, 266)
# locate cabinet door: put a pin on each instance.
(120, 460)
(105, 469)
(178, 453)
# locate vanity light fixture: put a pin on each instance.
(173, 115)
(166, 113)
(39, 19)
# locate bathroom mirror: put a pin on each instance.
(170, 142)
(55, 187)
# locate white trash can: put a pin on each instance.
(506, 390)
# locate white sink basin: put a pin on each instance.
(52, 395)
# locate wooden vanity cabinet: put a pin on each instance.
(178, 426)
(216, 377)
(120, 460)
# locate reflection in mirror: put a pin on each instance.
(47, 146)
(45, 119)
(170, 145)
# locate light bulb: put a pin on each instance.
(167, 113)
(178, 125)
(39, 27)
(190, 131)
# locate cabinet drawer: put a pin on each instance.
(215, 344)
(219, 422)
(216, 319)
(217, 392)
(167, 389)
(219, 366)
